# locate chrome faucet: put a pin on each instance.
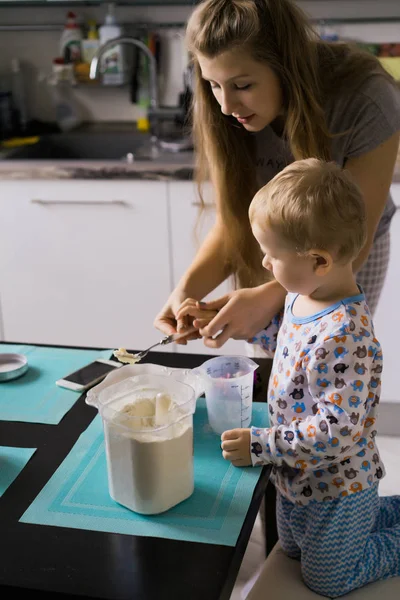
(155, 112)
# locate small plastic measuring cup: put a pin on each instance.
(228, 383)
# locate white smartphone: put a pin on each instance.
(88, 376)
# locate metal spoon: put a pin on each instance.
(127, 357)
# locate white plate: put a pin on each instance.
(12, 366)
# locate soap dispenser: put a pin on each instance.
(113, 62)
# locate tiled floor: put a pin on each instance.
(389, 448)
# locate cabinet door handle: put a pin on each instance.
(80, 202)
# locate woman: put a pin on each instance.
(268, 91)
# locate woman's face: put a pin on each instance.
(245, 89)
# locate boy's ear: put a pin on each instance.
(322, 261)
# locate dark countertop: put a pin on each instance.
(64, 563)
(30, 171)
(140, 171)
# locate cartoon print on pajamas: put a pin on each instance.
(323, 423)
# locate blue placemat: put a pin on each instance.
(12, 461)
(34, 397)
(77, 494)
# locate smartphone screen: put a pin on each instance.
(90, 373)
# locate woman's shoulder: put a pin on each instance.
(348, 73)
(382, 92)
(376, 93)
(365, 116)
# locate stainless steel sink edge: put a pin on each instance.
(119, 147)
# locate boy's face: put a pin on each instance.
(295, 273)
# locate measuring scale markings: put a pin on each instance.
(245, 412)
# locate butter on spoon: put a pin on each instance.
(126, 357)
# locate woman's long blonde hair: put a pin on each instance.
(278, 33)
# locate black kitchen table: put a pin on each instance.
(52, 562)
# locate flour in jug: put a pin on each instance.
(150, 458)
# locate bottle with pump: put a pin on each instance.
(113, 62)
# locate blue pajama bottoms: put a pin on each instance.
(343, 543)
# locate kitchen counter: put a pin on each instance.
(12, 170)
(177, 170)
(181, 167)
(16, 170)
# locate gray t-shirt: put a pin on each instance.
(371, 114)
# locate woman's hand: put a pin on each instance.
(193, 309)
(236, 447)
(240, 314)
(167, 321)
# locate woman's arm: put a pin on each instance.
(243, 313)
(373, 172)
(209, 267)
(206, 272)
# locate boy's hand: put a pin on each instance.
(236, 447)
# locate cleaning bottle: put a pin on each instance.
(71, 40)
(113, 62)
(91, 44)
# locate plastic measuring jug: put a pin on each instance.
(149, 442)
(228, 383)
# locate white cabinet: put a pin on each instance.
(91, 263)
(185, 240)
(83, 262)
(387, 317)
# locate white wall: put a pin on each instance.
(36, 49)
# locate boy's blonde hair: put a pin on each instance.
(313, 204)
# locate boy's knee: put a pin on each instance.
(326, 591)
(324, 582)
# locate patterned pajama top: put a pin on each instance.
(323, 397)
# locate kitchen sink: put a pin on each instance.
(128, 147)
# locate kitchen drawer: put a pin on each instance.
(78, 191)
